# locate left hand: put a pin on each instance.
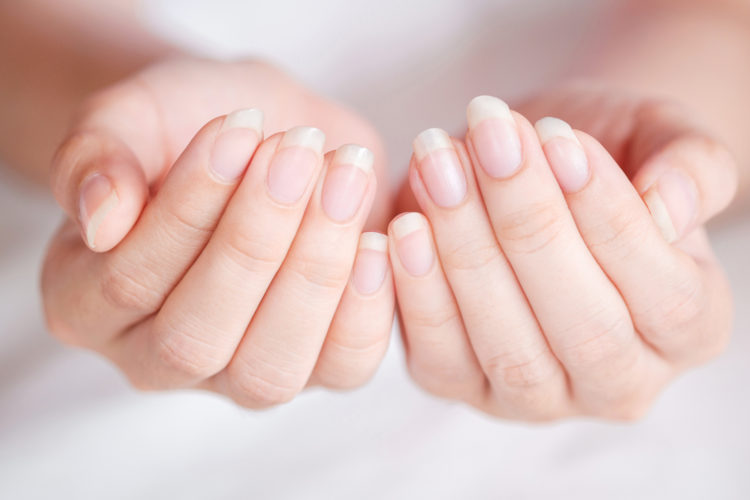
(556, 274)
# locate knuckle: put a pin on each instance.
(184, 224)
(251, 254)
(443, 318)
(531, 371)
(348, 365)
(445, 379)
(601, 338)
(123, 288)
(319, 274)
(470, 255)
(680, 310)
(532, 228)
(619, 236)
(183, 356)
(255, 390)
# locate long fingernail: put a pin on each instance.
(292, 167)
(346, 181)
(235, 143)
(413, 244)
(673, 203)
(371, 265)
(98, 199)
(440, 168)
(564, 153)
(494, 135)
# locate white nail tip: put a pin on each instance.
(251, 118)
(306, 137)
(352, 154)
(431, 140)
(98, 217)
(373, 241)
(407, 224)
(549, 128)
(484, 107)
(660, 214)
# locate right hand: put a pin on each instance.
(247, 280)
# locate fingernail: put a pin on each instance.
(564, 153)
(673, 203)
(98, 199)
(292, 167)
(346, 181)
(371, 264)
(235, 143)
(494, 135)
(413, 244)
(439, 167)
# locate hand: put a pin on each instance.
(244, 273)
(551, 278)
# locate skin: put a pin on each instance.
(594, 345)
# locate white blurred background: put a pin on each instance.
(70, 427)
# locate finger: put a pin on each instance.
(684, 176)
(578, 308)
(278, 352)
(438, 353)
(101, 172)
(100, 184)
(674, 302)
(196, 331)
(177, 223)
(527, 380)
(134, 278)
(358, 337)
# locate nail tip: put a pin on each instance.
(483, 107)
(407, 224)
(373, 241)
(429, 140)
(304, 136)
(250, 118)
(354, 154)
(549, 128)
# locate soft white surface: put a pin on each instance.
(71, 428)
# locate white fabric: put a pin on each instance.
(71, 428)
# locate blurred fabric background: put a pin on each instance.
(71, 426)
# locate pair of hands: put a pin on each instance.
(537, 284)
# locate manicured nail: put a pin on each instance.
(235, 143)
(494, 135)
(371, 264)
(440, 168)
(292, 167)
(413, 244)
(98, 199)
(673, 203)
(564, 152)
(346, 181)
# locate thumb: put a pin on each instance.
(684, 176)
(100, 184)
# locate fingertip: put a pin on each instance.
(110, 200)
(100, 184)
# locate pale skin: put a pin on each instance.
(551, 272)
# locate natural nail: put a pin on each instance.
(494, 136)
(98, 199)
(346, 181)
(371, 264)
(440, 168)
(235, 143)
(564, 152)
(292, 167)
(673, 203)
(413, 244)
